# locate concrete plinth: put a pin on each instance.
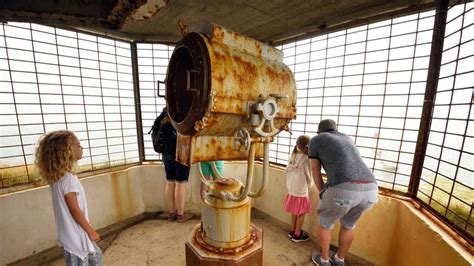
(196, 254)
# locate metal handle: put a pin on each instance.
(242, 139)
(158, 90)
(191, 78)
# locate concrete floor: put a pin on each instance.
(160, 242)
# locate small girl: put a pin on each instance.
(56, 155)
(298, 181)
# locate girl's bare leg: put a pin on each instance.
(299, 223)
(293, 222)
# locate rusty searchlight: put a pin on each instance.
(227, 96)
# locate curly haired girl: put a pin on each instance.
(56, 155)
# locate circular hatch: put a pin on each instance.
(188, 83)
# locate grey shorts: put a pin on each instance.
(347, 202)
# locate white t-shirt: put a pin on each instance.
(70, 234)
(298, 176)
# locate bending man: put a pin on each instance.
(350, 189)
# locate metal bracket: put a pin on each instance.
(158, 89)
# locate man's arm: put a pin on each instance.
(76, 212)
(316, 172)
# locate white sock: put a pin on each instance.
(324, 261)
(337, 258)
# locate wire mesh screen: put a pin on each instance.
(371, 81)
(447, 180)
(56, 79)
(152, 65)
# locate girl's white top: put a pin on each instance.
(298, 176)
(70, 234)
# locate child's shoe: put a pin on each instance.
(302, 237)
(290, 234)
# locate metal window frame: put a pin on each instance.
(280, 148)
(112, 62)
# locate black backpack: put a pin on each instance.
(163, 137)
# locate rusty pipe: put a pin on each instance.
(248, 182)
(266, 164)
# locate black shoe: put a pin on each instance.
(290, 234)
(302, 237)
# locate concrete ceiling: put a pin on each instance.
(270, 21)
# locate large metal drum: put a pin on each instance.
(226, 224)
(215, 79)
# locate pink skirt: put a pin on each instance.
(297, 205)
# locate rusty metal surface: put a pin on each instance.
(223, 250)
(192, 149)
(225, 224)
(231, 256)
(231, 185)
(226, 227)
(244, 43)
(240, 74)
(238, 77)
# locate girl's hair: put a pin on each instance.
(54, 155)
(302, 143)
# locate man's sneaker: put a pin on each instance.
(290, 234)
(316, 258)
(183, 217)
(333, 260)
(302, 237)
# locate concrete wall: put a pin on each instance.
(27, 221)
(420, 240)
(389, 234)
(393, 232)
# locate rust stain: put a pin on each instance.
(183, 149)
(245, 74)
(116, 194)
(218, 34)
(227, 253)
(220, 80)
(220, 65)
(218, 58)
(129, 191)
(258, 48)
(282, 79)
(238, 75)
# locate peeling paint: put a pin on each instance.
(242, 72)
